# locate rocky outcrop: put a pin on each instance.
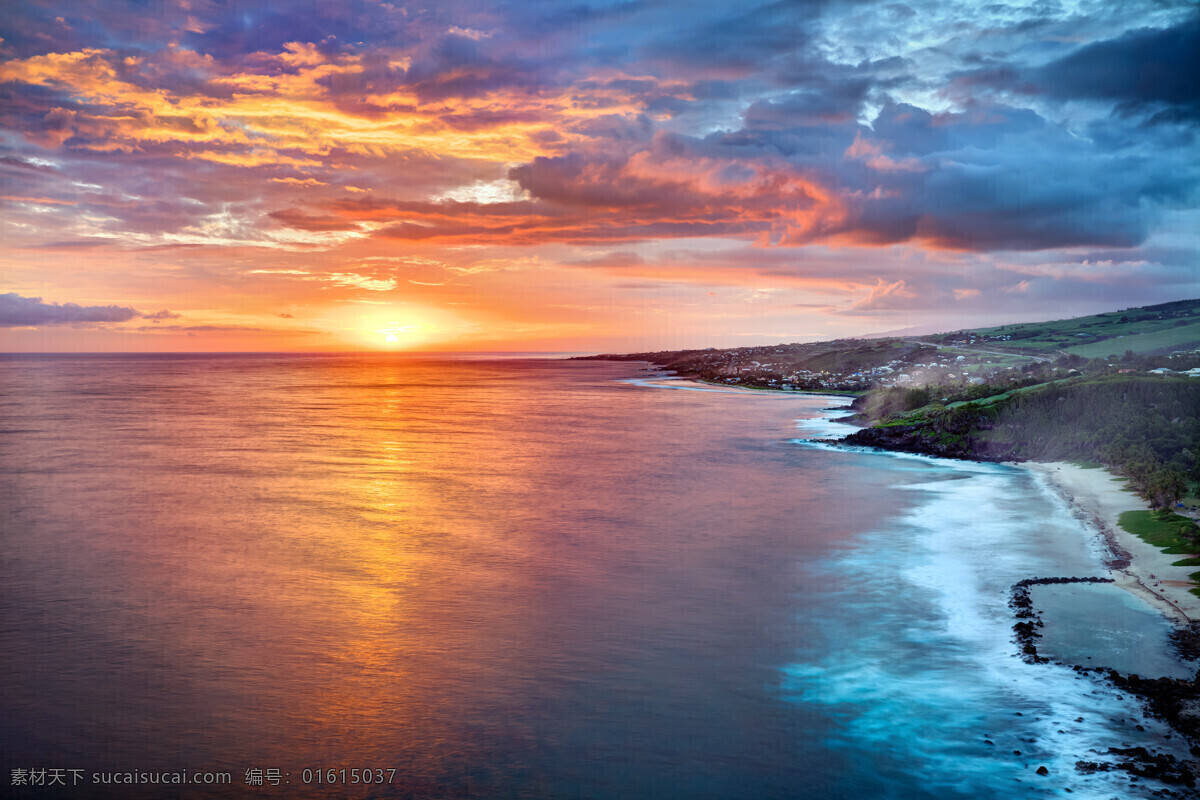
(1173, 700)
(924, 441)
(1143, 763)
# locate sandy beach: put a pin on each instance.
(1098, 498)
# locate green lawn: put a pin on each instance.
(1142, 331)
(995, 398)
(1140, 343)
(1159, 529)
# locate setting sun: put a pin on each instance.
(398, 333)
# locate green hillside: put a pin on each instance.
(1149, 330)
(1144, 426)
(1177, 337)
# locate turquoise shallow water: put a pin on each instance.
(529, 579)
(1104, 625)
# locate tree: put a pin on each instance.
(1165, 486)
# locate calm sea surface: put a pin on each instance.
(518, 579)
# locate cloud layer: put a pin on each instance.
(31, 311)
(956, 151)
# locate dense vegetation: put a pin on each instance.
(1144, 426)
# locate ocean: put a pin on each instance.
(411, 577)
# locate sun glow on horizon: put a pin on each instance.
(396, 334)
(395, 326)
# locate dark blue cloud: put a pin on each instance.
(458, 66)
(989, 178)
(241, 28)
(18, 311)
(838, 104)
(743, 39)
(1147, 72)
(1138, 70)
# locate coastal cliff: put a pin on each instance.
(919, 438)
(1144, 427)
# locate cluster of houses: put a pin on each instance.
(858, 365)
(897, 372)
(1188, 373)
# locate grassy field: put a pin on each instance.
(1161, 530)
(995, 398)
(1142, 330)
(1164, 529)
(1185, 336)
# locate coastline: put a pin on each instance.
(1084, 543)
(692, 382)
(1098, 498)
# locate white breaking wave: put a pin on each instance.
(927, 658)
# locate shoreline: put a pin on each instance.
(1097, 498)
(731, 388)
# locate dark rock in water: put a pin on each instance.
(1173, 700)
(1187, 641)
(907, 439)
(1170, 699)
(921, 439)
(1141, 763)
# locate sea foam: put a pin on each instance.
(920, 663)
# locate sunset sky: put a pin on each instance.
(586, 176)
